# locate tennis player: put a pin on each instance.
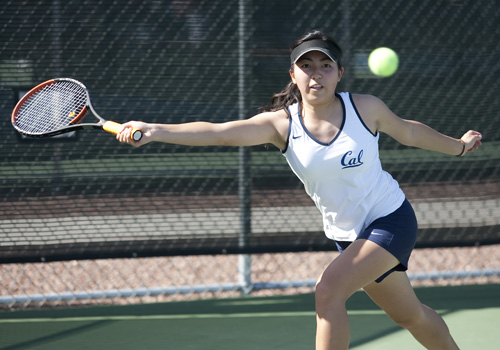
(330, 141)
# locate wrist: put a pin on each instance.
(461, 154)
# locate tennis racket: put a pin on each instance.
(58, 106)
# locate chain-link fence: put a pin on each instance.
(116, 281)
(84, 217)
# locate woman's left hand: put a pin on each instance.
(472, 140)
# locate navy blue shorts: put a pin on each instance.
(396, 233)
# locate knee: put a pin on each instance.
(411, 318)
(328, 294)
(322, 292)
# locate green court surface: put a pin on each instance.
(281, 322)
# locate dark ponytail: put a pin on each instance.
(287, 97)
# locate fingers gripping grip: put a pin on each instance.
(115, 128)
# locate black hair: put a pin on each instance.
(290, 93)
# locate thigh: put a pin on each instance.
(395, 295)
(358, 265)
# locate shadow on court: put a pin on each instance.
(282, 322)
(44, 341)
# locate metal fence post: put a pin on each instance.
(244, 174)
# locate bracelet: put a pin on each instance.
(463, 148)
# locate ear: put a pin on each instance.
(292, 75)
(341, 73)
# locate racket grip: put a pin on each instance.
(114, 128)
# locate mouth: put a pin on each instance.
(316, 87)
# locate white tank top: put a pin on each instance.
(343, 177)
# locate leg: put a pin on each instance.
(396, 297)
(360, 264)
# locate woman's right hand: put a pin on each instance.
(124, 135)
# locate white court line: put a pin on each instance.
(182, 316)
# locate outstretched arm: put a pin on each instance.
(264, 128)
(413, 133)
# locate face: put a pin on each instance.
(316, 75)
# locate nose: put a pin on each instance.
(316, 74)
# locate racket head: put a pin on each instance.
(53, 107)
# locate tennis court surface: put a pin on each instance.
(278, 322)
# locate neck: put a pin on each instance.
(319, 111)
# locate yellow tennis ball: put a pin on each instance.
(383, 62)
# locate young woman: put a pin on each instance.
(330, 141)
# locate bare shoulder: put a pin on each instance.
(369, 108)
(372, 110)
(367, 101)
(279, 121)
(279, 118)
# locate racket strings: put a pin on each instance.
(53, 107)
